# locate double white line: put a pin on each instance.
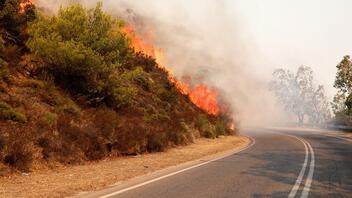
(309, 178)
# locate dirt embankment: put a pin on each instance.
(67, 181)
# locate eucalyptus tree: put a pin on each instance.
(299, 95)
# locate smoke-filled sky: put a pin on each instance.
(287, 33)
(236, 44)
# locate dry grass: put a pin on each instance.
(65, 181)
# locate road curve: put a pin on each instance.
(281, 163)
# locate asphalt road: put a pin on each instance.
(280, 163)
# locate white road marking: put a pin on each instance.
(303, 170)
(174, 173)
(309, 178)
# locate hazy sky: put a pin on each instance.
(290, 33)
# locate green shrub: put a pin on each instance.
(206, 129)
(157, 142)
(201, 122)
(155, 114)
(209, 132)
(82, 49)
(48, 119)
(13, 21)
(62, 103)
(138, 76)
(8, 113)
(165, 92)
(221, 127)
(4, 105)
(185, 135)
(106, 120)
(122, 96)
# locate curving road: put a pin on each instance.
(279, 163)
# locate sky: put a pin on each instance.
(290, 33)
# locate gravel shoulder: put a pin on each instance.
(70, 180)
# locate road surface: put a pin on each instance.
(279, 163)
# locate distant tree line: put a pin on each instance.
(300, 96)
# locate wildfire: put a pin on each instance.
(24, 4)
(201, 95)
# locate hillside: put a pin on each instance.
(73, 88)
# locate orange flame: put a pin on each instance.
(24, 4)
(201, 95)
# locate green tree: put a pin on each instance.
(13, 21)
(343, 83)
(84, 50)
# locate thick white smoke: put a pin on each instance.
(201, 38)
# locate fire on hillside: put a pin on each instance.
(24, 4)
(200, 94)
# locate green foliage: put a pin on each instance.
(221, 127)
(12, 21)
(138, 76)
(343, 82)
(209, 132)
(62, 103)
(48, 119)
(8, 113)
(122, 96)
(205, 127)
(81, 46)
(201, 122)
(156, 142)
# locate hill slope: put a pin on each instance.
(72, 88)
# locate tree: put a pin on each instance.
(298, 95)
(343, 82)
(13, 20)
(83, 49)
(320, 111)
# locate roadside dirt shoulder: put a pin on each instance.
(67, 181)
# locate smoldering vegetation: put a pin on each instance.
(201, 39)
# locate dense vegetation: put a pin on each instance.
(71, 89)
(342, 104)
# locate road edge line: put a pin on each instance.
(180, 171)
